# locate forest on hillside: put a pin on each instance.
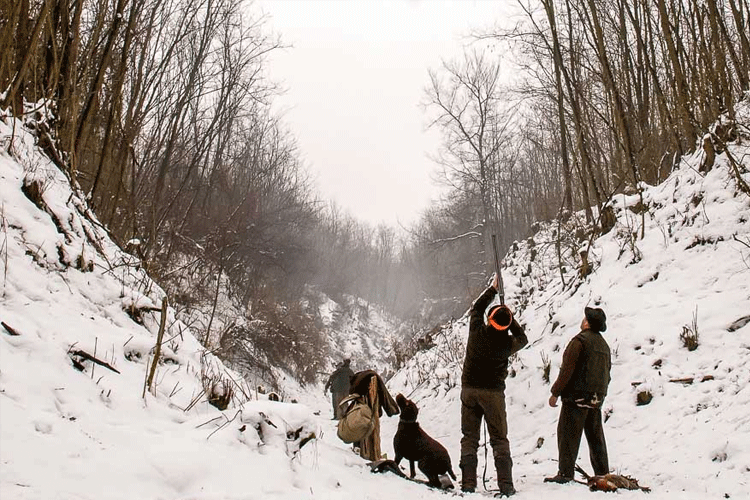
(160, 113)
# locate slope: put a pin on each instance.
(690, 273)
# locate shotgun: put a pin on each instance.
(502, 317)
(500, 287)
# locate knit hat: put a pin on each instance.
(500, 317)
(596, 318)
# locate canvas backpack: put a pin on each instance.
(357, 421)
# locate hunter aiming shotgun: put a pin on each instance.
(488, 348)
(507, 314)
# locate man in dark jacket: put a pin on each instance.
(483, 388)
(338, 383)
(582, 384)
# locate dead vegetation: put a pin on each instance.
(689, 335)
(216, 386)
(546, 367)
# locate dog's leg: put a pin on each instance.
(413, 472)
(434, 481)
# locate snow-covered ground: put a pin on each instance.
(70, 434)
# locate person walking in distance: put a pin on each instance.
(582, 383)
(483, 388)
(338, 383)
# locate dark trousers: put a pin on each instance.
(490, 404)
(574, 421)
(336, 398)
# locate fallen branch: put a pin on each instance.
(734, 236)
(213, 419)
(224, 424)
(686, 380)
(690, 380)
(11, 331)
(89, 357)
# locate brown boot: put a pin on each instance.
(504, 468)
(506, 490)
(468, 479)
(558, 478)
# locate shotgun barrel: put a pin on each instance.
(500, 287)
(501, 317)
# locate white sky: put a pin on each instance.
(355, 77)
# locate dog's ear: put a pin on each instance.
(400, 400)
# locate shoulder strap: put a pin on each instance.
(349, 398)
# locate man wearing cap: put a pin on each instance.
(338, 383)
(582, 383)
(483, 388)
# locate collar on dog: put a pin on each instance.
(408, 421)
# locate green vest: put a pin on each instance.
(591, 374)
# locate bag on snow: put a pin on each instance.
(357, 421)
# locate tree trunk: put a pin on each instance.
(92, 100)
(557, 56)
(16, 92)
(681, 87)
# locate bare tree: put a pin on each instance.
(465, 99)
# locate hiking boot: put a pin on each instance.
(558, 478)
(506, 490)
(468, 479)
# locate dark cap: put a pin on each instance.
(596, 318)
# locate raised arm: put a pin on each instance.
(479, 306)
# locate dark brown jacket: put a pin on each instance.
(488, 349)
(360, 384)
(339, 380)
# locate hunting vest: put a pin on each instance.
(591, 374)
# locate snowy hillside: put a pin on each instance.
(360, 331)
(692, 268)
(72, 429)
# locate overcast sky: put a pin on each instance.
(355, 74)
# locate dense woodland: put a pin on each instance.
(160, 113)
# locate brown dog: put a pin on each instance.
(413, 444)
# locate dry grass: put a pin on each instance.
(689, 335)
(546, 367)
